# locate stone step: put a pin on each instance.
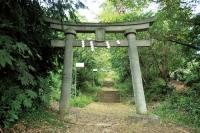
(108, 96)
(108, 83)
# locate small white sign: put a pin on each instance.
(92, 45)
(107, 44)
(83, 43)
(79, 64)
(95, 70)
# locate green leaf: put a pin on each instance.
(27, 102)
(12, 116)
(5, 58)
(5, 41)
(31, 94)
(22, 48)
(21, 97)
(26, 78)
(16, 105)
(45, 98)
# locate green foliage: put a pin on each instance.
(164, 57)
(37, 118)
(87, 80)
(63, 10)
(25, 56)
(136, 4)
(5, 58)
(15, 100)
(158, 90)
(124, 11)
(84, 75)
(120, 62)
(87, 87)
(81, 101)
(189, 74)
(55, 78)
(26, 60)
(182, 107)
(125, 89)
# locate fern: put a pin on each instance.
(16, 105)
(45, 90)
(31, 94)
(26, 78)
(5, 41)
(27, 102)
(22, 49)
(5, 58)
(45, 98)
(21, 97)
(12, 116)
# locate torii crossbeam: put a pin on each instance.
(129, 29)
(122, 43)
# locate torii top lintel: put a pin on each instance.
(108, 27)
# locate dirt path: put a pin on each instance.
(99, 118)
(113, 118)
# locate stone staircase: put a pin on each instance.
(108, 94)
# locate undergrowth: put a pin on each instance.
(45, 120)
(181, 108)
(125, 89)
(38, 117)
(157, 90)
(81, 101)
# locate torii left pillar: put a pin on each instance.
(67, 72)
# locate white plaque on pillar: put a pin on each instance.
(94, 70)
(79, 64)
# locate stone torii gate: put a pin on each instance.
(129, 30)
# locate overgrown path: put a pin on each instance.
(97, 117)
(113, 118)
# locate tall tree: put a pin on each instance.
(25, 54)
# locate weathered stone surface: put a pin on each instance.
(109, 96)
(136, 73)
(148, 119)
(100, 35)
(109, 27)
(67, 72)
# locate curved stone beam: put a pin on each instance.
(109, 27)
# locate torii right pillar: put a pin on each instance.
(136, 72)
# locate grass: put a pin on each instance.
(36, 118)
(40, 120)
(125, 90)
(173, 115)
(81, 101)
(46, 120)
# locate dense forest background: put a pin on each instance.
(170, 67)
(30, 70)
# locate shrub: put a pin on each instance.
(15, 100)
(81, 101)
(125, 88)
(157, 90)
(182, 107)
(87, 87)
(41, 117)
(55, 78)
